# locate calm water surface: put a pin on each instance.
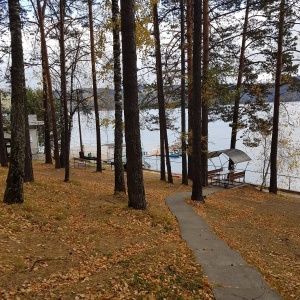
(219, 138)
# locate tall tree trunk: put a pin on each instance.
(235, 119)
(205, 96)
(3, 154)
(190, 27)
(118, 151)
(274, 143)
(62, 132)
(161, 131)
(41, 14)
(135, 181)
(81, 153)
(197, 104)
(95, 94)
(162, 156)
(28, 168)
(266, 165)
(160, 94)
(183, 126)
(47, 130)
(14, 187)
(66, 132)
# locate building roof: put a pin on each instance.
(236, 155)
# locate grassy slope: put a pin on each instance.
(78, 241)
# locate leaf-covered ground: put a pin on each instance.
(264, 228)
(78, 241)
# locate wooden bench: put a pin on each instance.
(211, 174)
(79, 161)
(236, 175)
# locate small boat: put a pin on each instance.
(178, 151)
(174, 155)
(154, 152)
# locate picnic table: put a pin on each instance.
(225, 177)
(83, 161)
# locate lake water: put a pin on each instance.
(219, 139)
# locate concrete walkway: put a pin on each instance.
(228, 273)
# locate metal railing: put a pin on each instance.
(286, 182)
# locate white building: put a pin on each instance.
(33, 132)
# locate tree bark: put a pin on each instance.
(95, 94)
(65, 121)
(118, 150)
(47, 129)
(205, 95)
(135, 182)
(28, 168)
(41, 14)
(14, 187)
(162, 156)
(235, 118)
(183, 121)
(197, 104)
(62, 132)
(190, 27)
(3, 154)
(274, 143)
(79, 128)
(161, 99)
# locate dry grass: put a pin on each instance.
(264, 228)
(77, 240)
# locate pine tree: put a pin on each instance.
(15, 178)
(197, 104)
(95, 94)
(135, 182)
(118, 150)
(164, 145)
(182, 96)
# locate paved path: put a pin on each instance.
(228, 273)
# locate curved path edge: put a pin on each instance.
(229, 275)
